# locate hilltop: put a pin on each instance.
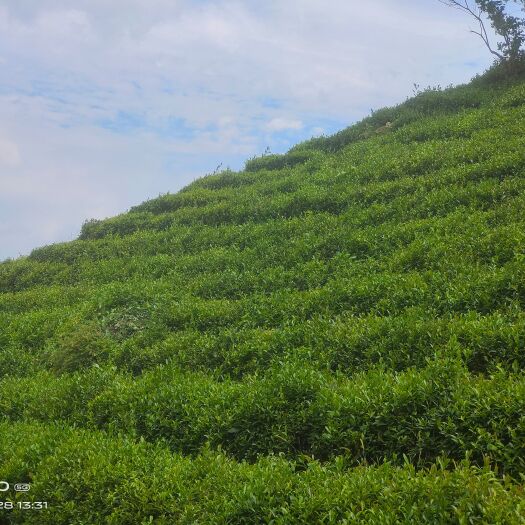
(332, 335)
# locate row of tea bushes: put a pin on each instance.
(86, 477)
(294, 409)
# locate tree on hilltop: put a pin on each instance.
(510, 29)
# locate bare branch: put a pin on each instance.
(482, 33)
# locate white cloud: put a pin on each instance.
(281, 124)
(9, 153)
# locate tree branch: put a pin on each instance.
(482, 33)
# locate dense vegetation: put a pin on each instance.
(333, 335)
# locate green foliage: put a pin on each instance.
(79, 345)
(277, 162)
(332, 335)
(88, 478)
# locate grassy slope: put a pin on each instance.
(332, 334)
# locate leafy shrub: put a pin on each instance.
(80, 345)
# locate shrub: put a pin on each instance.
(80, 345)
(277, 162)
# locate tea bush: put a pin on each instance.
(80, 345)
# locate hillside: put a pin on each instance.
(333, 335)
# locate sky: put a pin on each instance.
(104, 105)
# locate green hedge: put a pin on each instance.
(89, 478)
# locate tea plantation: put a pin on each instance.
(332, 335)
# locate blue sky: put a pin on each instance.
(106, 104)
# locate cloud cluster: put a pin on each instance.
(108, 103)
